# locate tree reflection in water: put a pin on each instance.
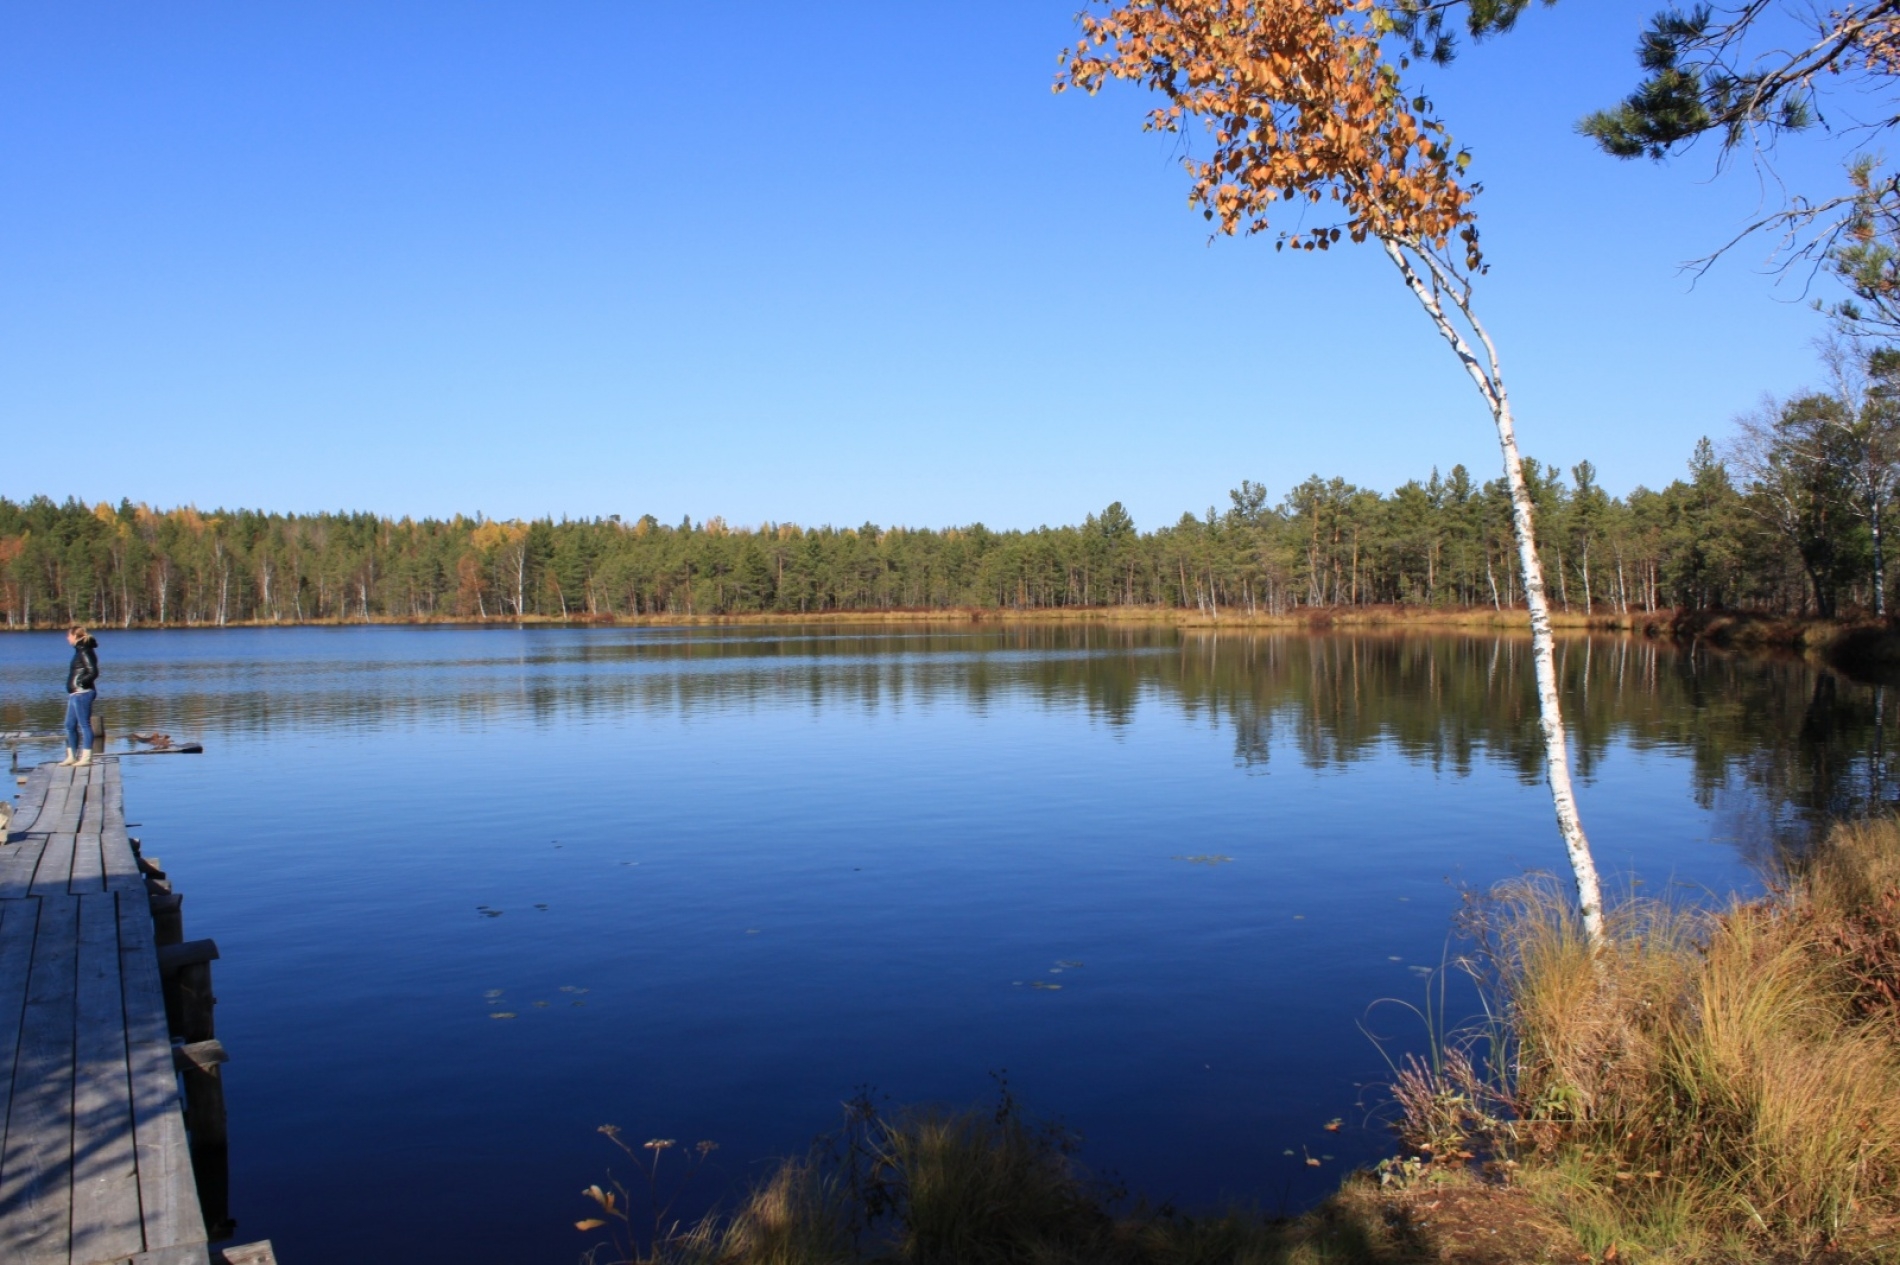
(1775, 743)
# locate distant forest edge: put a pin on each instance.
(1708, 540)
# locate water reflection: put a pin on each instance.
(1808, 743)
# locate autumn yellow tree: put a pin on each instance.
(1308, 115)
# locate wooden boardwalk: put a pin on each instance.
(95, 1163)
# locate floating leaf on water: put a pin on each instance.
(752, 931)
(1288, 1151)
(1204, 858)
(543, 1005)
(1423, 972)
(1055, 970)
(1393, 957)
(491, 913)
(569, 988)
(541, 907)
(1299, 917)
(492, 994)
(1043, 983)
(1068, 965)
(1311, 1162)
(579, 1003)
(1333, 1126)
(503, 1014)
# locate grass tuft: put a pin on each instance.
(1707, 1086)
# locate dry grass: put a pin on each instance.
(1709, 1086)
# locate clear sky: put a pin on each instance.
(829, 262)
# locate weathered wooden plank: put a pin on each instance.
(179, 1254)
(121, 864)
(89, 864)
(56, 867)
(106, 1219)
(86, 813)
(36, 1164)
(259, 1253)
(19, 921)
(69, 812)
(18, 862)
(31, 798)
(52, 803)
(168, 1192)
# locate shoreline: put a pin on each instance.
(1316, 619)
(1860, 646)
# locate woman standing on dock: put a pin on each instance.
(82, 676)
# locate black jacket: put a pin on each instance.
(84, 672)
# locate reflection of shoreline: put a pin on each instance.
(1305, 618)
(1811, 742)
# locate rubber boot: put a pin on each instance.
(72, 757)
(85, 757)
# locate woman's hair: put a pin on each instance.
(78, 631)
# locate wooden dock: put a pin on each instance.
(96, 1159)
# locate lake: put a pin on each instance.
(481, 891)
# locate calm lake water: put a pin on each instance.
(723, 878)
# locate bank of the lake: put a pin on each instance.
(1305, 618)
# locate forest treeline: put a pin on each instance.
(1705, 540)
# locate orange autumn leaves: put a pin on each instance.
(1303, 108)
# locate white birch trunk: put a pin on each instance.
(1489, 380)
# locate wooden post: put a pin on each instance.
(186, 971)
(98, 734)
(168, 919)
(199, 1063)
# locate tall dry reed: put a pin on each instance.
(1708, 1082)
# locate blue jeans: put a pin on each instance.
(79, 719)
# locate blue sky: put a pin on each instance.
(826, 263)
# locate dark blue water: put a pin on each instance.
(479, 892)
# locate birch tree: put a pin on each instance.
(1305, 108)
